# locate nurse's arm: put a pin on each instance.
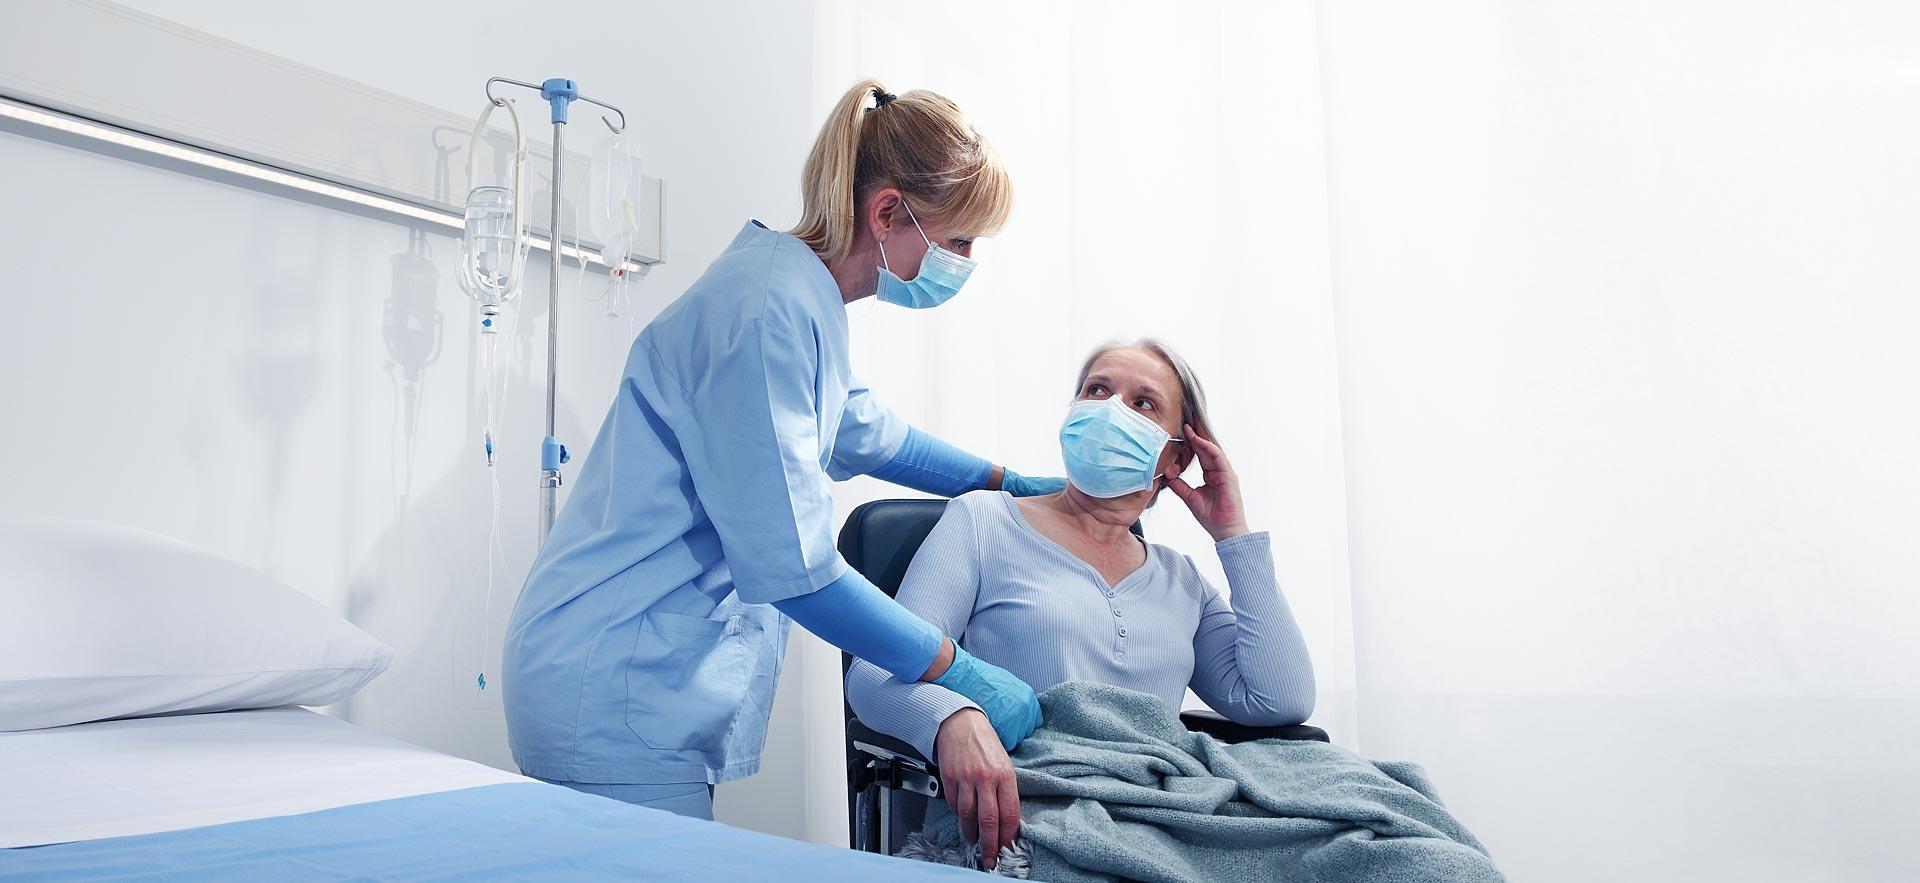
(749, 432)
(873, 440)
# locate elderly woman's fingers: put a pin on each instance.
(988, 807)
(1211, 456)
(1009, 810)
(1196, 499)
(963, 809)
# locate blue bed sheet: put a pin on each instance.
(515, 831)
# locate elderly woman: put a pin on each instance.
(1056, 588)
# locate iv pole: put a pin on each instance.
(559, 92)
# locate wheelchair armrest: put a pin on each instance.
(1227, 731)
(871, 741)
(900, 766)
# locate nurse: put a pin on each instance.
(641, 656)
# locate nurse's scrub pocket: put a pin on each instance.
(690, 677)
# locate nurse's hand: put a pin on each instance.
(1021, 486)
(1216, 502)
(976, 778)
(1009, 703)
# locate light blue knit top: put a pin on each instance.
(1021, 601)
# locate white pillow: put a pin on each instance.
(99, 621)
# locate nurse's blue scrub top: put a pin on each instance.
(643, 647)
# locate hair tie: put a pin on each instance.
(883, 98)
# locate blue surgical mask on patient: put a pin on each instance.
(941, 274)
(1111, 450)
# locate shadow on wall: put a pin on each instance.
(422, 580)
(281, 370)
(438, 542)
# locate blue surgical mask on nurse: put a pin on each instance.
(941, 274)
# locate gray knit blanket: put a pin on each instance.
(1113, 787)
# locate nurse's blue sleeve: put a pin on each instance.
(750, 438)
(872, 440)
(870, 434)
(928, 464)
(854, 615)
(875, 441)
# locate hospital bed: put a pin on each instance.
(136, 743)
(888, 780)
(287, 794)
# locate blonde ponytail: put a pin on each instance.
(918, 142)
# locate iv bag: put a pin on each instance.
(493, 247)
(613, 195)
(490, 262)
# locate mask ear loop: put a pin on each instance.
(1161, 476)
(916, 221)
(917, 228)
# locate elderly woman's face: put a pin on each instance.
(1146, 383)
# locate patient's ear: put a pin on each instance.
(1182, 458)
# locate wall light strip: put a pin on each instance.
(225, 164)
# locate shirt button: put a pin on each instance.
(1116, 612)
(1123, 633)
(1109, 593)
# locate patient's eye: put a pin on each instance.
(1143, 404)
(1096, 390)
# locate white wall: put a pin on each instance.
(1626, 312)
(212, 363)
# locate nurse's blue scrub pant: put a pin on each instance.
(691, 799)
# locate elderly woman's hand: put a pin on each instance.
(977, 778)
(1216, 502)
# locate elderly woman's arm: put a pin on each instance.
(976, 777)
(1250, 662)
(940, 587)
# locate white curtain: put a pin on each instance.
(1627, 307)
(1580, 335)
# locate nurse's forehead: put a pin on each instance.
(968, 235)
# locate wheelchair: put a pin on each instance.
(888, 782)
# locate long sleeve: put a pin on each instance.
(940, 587)
(1250, 661)
(854, 615)
(928, 464)
(869, 436)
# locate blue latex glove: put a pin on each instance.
(1021, 486)
(1008, 702)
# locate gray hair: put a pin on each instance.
(1193, 399)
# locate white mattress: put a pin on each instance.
(118, 778)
